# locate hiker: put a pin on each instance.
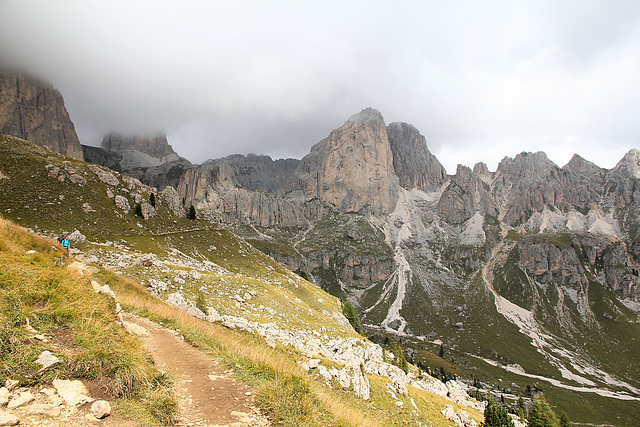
(65, 243)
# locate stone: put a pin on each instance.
(22, 399)
(310, 364)
(47, 360)
(104, 175)
(11, 384)
(76, 236)
(170, 196)
(148, 211)
(101, 409)
(43, 409)
(73, 392)
(4, 396)
(146, 260)
(361, 386)
(7, 419)
(122, 203)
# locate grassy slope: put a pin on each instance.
(36, 287)
(32, 197)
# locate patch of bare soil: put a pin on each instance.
(208, 396)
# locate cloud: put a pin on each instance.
(480, 80)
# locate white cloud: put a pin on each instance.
(481, 80)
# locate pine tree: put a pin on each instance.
(522, 409)
(192, 212)
(564, 421)
(351, 315)
(152, 200)
(138, 210)
(441, 352)
(496, 416)
(541, 414)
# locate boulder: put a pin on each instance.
(101, 409)
(73, 392)
(122, 203)
(47, 360)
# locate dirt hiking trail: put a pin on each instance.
(207, 395)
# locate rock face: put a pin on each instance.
(350, 169)
(140, 151)
(102, 157)
(260, 173)
(33, 110)
(414, 165)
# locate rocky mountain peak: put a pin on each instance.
(579, 165)
(367, 115)
(33, 110)
(413, 163)
(527, 165)
(350, 169)
(140, 151)
(629, 166)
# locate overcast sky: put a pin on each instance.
(481, 80)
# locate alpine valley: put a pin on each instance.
(521, 280)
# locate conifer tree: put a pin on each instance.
(496, 416)
(351, 315)
(541, 414)
(192, 212)
(152, 200)
(138, 210)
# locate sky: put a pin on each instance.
(481, 80)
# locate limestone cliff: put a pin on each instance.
(140, 151)
(260, 173)
(33, 110)
(413, 163)
(350, 169)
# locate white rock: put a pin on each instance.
(122, 203)
(310, 364)
(47, 360)
(8, 419)
(101, 409)
(73, 392)
(43, 409)
(361, 386)
(4, 396)
(22, 399)
(324, 372)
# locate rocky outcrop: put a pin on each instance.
(531, 182)
(260, 173)
(140, 151)
(212, 186)
(102, 157)
(413, 163)
(465, 195)
(33, 110)
(350, 169)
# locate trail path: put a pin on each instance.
(207, 394)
